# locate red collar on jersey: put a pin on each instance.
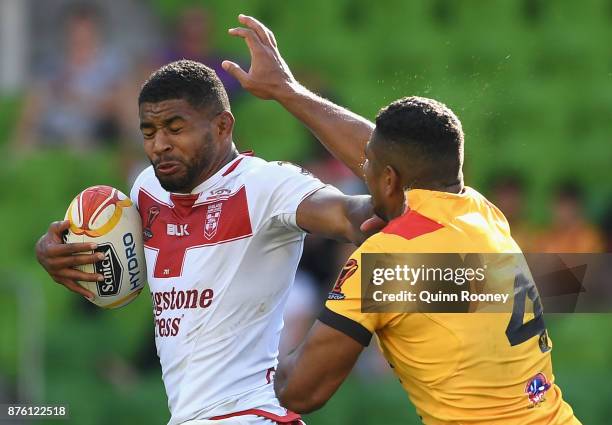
(236, 162)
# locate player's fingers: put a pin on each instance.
(273, 39)
(57, 228)
(75, 287)
(264, 34)
(63, 249)
(77, 260)
(256, 26)
(235, 71)
(372, 225)
(252, 40)
(74, 274)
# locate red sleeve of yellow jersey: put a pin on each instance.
(343, 307)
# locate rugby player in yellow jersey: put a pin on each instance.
(457, 368)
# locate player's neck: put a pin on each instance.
(457, 186)
(223, 160)
(217, 165)
(230, 155)
(454, 188)
(451, 187)
(451, 184)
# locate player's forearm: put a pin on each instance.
(357, 210)
(308, 377)
(296, 392)
(341, 131)
(283, 370)
(330, 214)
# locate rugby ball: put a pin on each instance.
(105, 216)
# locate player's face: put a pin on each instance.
(383, 184)
(372, 180)
(179, 141)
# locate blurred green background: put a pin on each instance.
(530, 80)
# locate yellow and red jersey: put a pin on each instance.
(457, 368)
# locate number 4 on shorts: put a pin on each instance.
(517, 331)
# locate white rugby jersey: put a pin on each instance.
(220, 263)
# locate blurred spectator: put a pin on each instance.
(508, 194)
(331, 171)
(599, 289)
(570, 230)
(193, 40)
(72, 101)
(606, 227)
(5, 393)
(321, 163)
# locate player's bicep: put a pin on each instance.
(286, 188)
(322, 213)
(320, 365)
(329, 213)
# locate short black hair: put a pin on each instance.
(426, 131)
(185, 79)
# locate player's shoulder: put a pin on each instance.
(386, 241)
(279, 169)
(147, 183)
(375, 244)
(258, 170)
(494, 213)
(146, 177)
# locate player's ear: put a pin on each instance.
(391, 181)
(224, 124)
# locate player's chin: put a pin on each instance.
(176, 182)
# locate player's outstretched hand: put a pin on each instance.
(59, 259)
(269, 77)
(372, 225)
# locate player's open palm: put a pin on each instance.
(60, 259)
(269, 76)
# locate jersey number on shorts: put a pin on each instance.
(517, 331)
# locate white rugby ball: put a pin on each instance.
(105, 216)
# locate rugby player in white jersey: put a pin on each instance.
(223, 236)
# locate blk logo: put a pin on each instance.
(178, 229)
